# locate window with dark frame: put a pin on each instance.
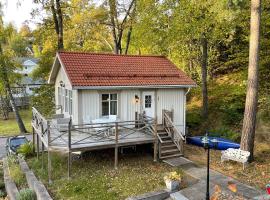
(109, 104)
(147, 101)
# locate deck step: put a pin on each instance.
(171, 156)
(165, 138)
(170, 151)
(167, 142)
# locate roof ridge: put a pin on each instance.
(111, 54)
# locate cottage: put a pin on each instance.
(90, 86)
(114, 101)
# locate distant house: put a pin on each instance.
(90, 86)
(27, 84)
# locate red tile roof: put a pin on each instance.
(92, 69)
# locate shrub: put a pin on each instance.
(26, 149)
(2, 194)
(12, 159)
(17, 175)
(225, 133)
(26, 194)
(2, 184)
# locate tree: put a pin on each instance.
(249, 123)
(6, 71)
(55, 7)
(118, 26)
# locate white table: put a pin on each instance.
(105, 119)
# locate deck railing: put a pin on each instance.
(98, 132)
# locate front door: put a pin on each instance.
(149, 103)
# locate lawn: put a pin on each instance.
(94, 176)
(10, 127)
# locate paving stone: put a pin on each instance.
(197, 191)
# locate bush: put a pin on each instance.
(12, 159)
(17, 175)
(43, 100)
(2, 194)
(26, 149)
(225, 133)
(2, 184)
(194, 119)
(26, 194)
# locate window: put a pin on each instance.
(66, 100)
(109, 104)
(70, 102)
(147, 101)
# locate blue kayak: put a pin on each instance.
(223, 143)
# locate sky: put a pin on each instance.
(18, 14)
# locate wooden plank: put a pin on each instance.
(37, 146)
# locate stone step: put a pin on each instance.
(177, 196)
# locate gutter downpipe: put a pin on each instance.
(184, 117)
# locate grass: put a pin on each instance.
(2, 184)
(16, 173)
(10, 127)
(94, 177)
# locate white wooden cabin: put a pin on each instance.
(90, 86)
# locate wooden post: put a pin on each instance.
(116, 147)
(172, 114)
(156, 140)
(33, 131)
(37, 146)
(33, 139)
(69, 148)
(49, 153)
(42, 154)
(136, 119)
(163, 124)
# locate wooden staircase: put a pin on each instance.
(170, 140)
(167, 147)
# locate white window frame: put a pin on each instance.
(109, 101)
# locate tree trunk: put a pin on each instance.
(60, 25)
(13, 104)
(128, 39)
(14, 107)
(249, 123)
(204, 78)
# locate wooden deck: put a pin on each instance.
(69, 138)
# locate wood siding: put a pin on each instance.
(128, 106)
(172, 99)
